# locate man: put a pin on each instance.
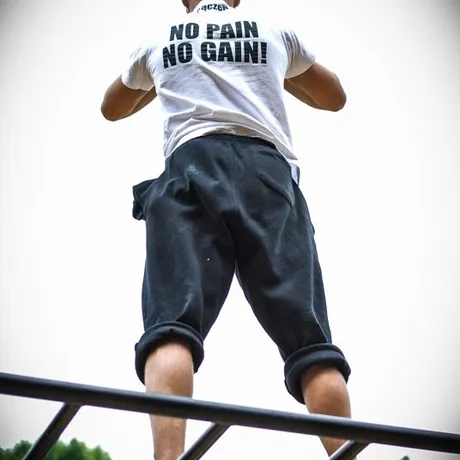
(226, 203)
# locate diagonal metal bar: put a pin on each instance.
(228, 414)
(204, 442)
(52, 433)
(348, 451)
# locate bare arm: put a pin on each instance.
(121, 102)
(299, 94)
(319, 88)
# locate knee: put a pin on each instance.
(322, 377)
(323, 371)
(321, 362)
(169, 354)
(167, 345)
(169, 368)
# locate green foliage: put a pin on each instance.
(17, 452)
(75, 450)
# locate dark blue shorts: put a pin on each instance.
(227, 204)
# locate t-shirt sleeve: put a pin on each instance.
(137, 74)
(300, 58)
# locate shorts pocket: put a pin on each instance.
(275, 173)
(141, 192)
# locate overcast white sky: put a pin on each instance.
(381, 179)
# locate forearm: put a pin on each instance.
(147, 99)
(121, 102)
(301, 95)
(319, 88)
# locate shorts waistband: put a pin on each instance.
(241, 138)
(295, 170)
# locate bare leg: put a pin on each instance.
(169, 370)
(325, 392)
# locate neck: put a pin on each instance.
(192, 4)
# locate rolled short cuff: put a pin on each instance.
(304, 358)
(163, 333)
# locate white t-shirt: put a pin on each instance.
(220, 70)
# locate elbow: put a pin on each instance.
(108, 114)
(339, 103)
(334, 102)
(111, 110)
(339, 106)
(110, 118)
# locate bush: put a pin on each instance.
(75, 450)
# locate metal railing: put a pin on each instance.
(223, 416)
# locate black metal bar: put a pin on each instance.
(348, 451)
(227, 414)
(204, 442)
(52, 433)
